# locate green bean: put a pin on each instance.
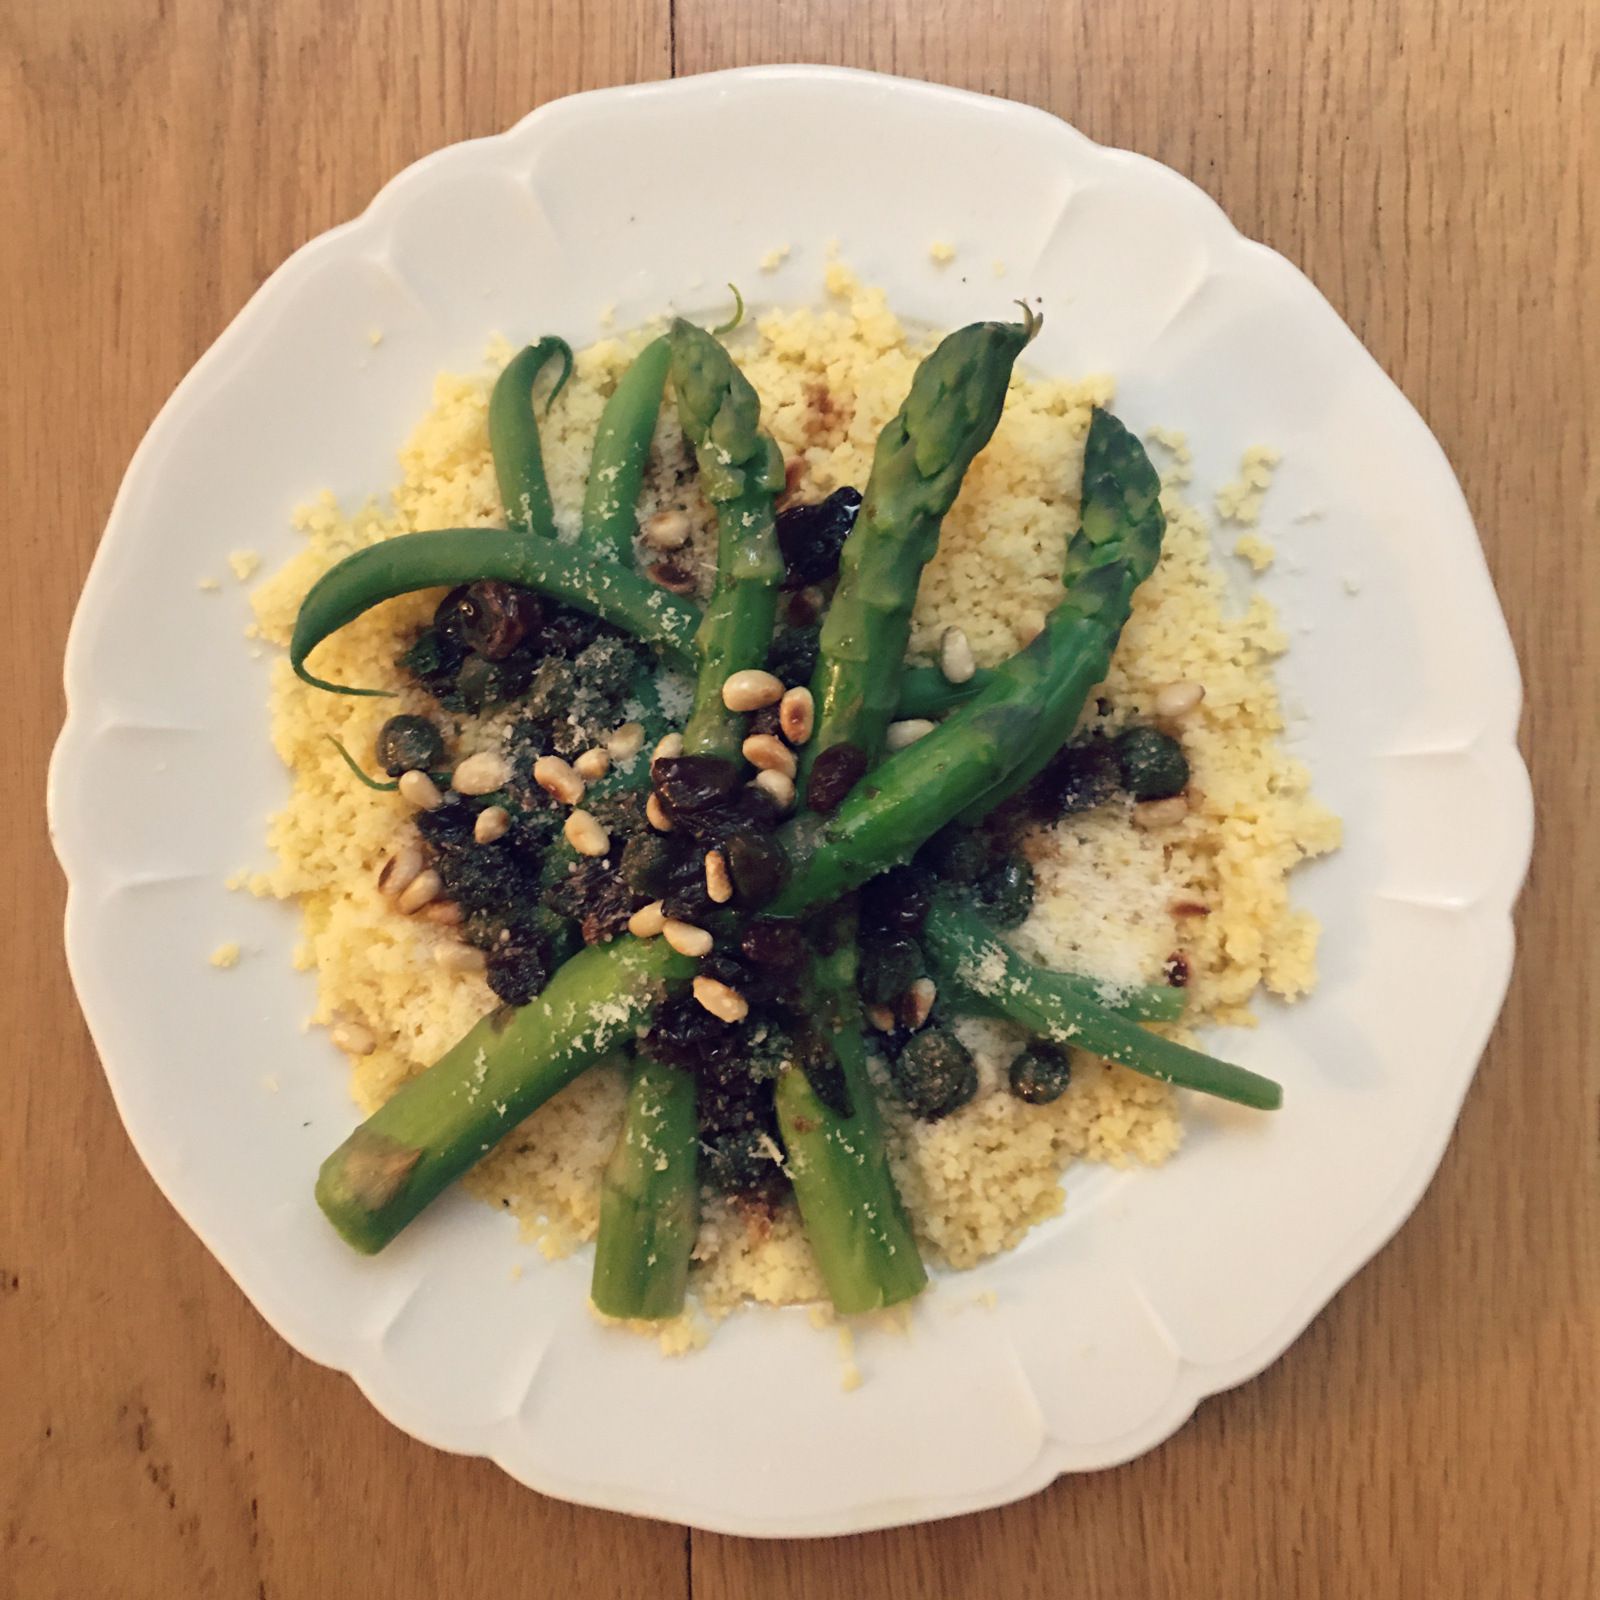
(621, 448)
(514, 437)
(449, 556)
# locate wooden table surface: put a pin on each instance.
(1435, 168)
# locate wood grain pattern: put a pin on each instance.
(1433, 166)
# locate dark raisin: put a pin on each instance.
(450, 617)
(684, 1034)
(1079, 778)
(1176, 970)
(778, 945)
(494, 618)
(1153, 764)
(1005, 892)
(811, 537)
(934, 1074)
(896, 901)
(758, 865)
(890, 964)
(833, 775)
(673, 576)
(766, 720)
(688, 784)
(803, 607)
(1041, 1073)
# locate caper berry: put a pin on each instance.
(1152, 763)
(1041, 1072)
(934, 1074)
(409, 744)
(1005, 892)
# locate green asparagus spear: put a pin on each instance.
(852, 1211)
(741, 472)
(926, 692)
(514, 437)
(1001, 737)
(969, 956)
(649, 1199)
(621, 449)
(921, 457)
(447, 1118)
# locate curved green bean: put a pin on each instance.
(449, 556)
(514, 437)
(621, 448)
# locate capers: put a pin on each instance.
(1005, 892)
(958, 855)
(934, 1074)
(646, 865)
(409, 744)
(890, 964)
(1152, 764)
(1041, 1072)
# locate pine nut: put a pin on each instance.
(481, 774)
(669, 746)
(592, 764)
(917, 1002)
(751, 689)
(685, 938)
(421, 791)
(776, 784)
(768, 752)
(442, 913)
(422, 888)
(1160, 813)
(797, 714)
(718, 884)
(881, 1018)
(1178, 699)
(656, 814)
(582, 830)
(353, 1039)
(458, 957)
(647, 921)
(400, 870)
(666, 530)
(627, 741)
(1030, 625)
(492, 823)
(955, 656)
(901, 734)
(557, 778)
(720, 1000)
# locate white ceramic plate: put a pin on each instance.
(1155, 1288)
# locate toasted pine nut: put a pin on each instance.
(492, 823)
(685, 937)
(720, 1000)
(647, 921)
(421, 791)
(353, 1039)
(917, 1002)
(592, 764)
(901, 734)
(442, 913)
(881, 1018)
(399, 870)
(666, 530)
(458, 957)
(778, 785)
(626, 741)
(556, 777)
(1178, 699)
(481, 774)
(768, 752)
(422, 888)
(797, 715)
(656, 814)
(668, 746)
(751, 689)
(1160, 813)
(718, 884)
(582, 830)
(955, 656)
